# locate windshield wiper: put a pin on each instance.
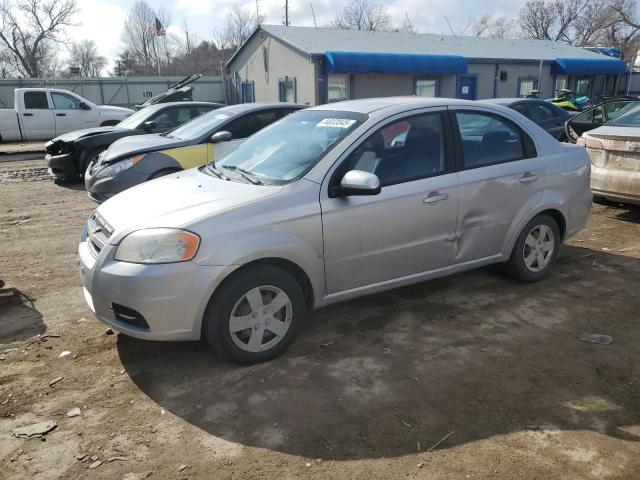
(216, 172)
(245, 173)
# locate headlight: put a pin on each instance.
(158, 245)
(117, 167)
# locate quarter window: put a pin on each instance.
(402, 151)
(488, 139)
(62, 101)
(36, 101)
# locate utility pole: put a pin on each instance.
(286, 13)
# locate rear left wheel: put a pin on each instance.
(255, 315)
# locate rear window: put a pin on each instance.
(629, 119)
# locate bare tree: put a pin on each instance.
(368, 15)
(239, 23)
(84, 55)
(624, 28)
(494, 26)
(30, 28)
(139, 36)
(578, 22)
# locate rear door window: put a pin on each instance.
(488, 139)
(36, 101)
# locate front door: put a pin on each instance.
(68, 114)
(499, 176)
(467, 87)
(408, 227)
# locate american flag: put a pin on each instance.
(160, 31)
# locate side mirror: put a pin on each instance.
(150, 125)
(84, 106)
(222, 136)
(357, 182)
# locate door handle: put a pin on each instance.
(435, 197)
(61, 114)
(528, 178)
(28, 114)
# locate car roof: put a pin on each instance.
(241, 108)
(173, 104)
(369, 105)
(507, 101)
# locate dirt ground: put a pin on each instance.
(368, 388)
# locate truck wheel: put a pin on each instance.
(255, 315)
(535, 250)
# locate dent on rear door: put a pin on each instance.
(492, 199)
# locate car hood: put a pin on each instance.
(113, 109)
(128, 146)
(87, 132)
(177, 201)
(605, 131)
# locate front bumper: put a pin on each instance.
(171, 298)
(62, 166)
(618, 185)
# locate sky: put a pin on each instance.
(102, 20)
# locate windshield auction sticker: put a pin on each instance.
(336, 123)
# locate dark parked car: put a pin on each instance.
(598, 115)
(545, 114)
(131, 161)
(69, 155)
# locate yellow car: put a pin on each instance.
(133, 160)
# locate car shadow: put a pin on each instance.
(71, 184)
(381, 376)
(19, 319)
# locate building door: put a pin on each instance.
(467, 87)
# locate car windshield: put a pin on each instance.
(200, 125)
(137, 119)
(629, 119)
(286, 150)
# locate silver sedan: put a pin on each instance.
(328, 204)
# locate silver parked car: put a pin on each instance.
(328, 204)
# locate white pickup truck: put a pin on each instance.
(45, 113)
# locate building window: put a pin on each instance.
(560, 83)
(583, 87)
(248, 93)
(526, 85)
(337, 88)
(426, 87)
(287, 90)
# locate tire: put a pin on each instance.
(163, 172)
(524, 264)
(230, 308)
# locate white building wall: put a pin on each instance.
(264, 60)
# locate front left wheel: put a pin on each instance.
(255, 315)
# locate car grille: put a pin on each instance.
(98, 231)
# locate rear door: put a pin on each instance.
(36, 116)
(500, 178)
(68, 114)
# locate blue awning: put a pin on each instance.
(365, 62)
(588, 66)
